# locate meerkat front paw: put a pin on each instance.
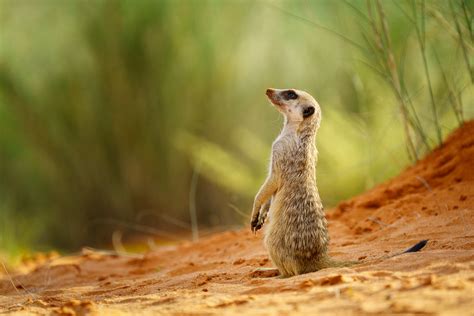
(259, 218)
(255, 223)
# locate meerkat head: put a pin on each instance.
(297, 106)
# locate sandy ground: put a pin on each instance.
(217, 276)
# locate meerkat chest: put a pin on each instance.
(294, 162)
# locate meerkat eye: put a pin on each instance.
(307, 112)
(291, 95)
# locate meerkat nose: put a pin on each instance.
(269, 92)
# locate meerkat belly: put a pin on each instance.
(296, 237)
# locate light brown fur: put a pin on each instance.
(297, 236)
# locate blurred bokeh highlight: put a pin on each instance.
(148, 118)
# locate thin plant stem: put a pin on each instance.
(192, 203)
(452, 96)
(468, 18)
(384, 47)
(447, 26)
(461, 41)
(380, 59)
(357, 10)
(421, 36)
(416, 124)
(317, 25)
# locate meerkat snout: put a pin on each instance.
(279, 96)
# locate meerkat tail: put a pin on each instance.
(330, 262)
(417, 247)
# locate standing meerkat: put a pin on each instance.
(297, 236)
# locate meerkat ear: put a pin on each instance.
(308, 111)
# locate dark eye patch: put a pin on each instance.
(290, 95)
(307, 112)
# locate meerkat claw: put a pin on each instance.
(258, 218)
(256, 225)
(252, 225)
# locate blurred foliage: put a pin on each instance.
(107, 108)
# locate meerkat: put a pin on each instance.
(297, 236)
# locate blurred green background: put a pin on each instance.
(129, 115)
